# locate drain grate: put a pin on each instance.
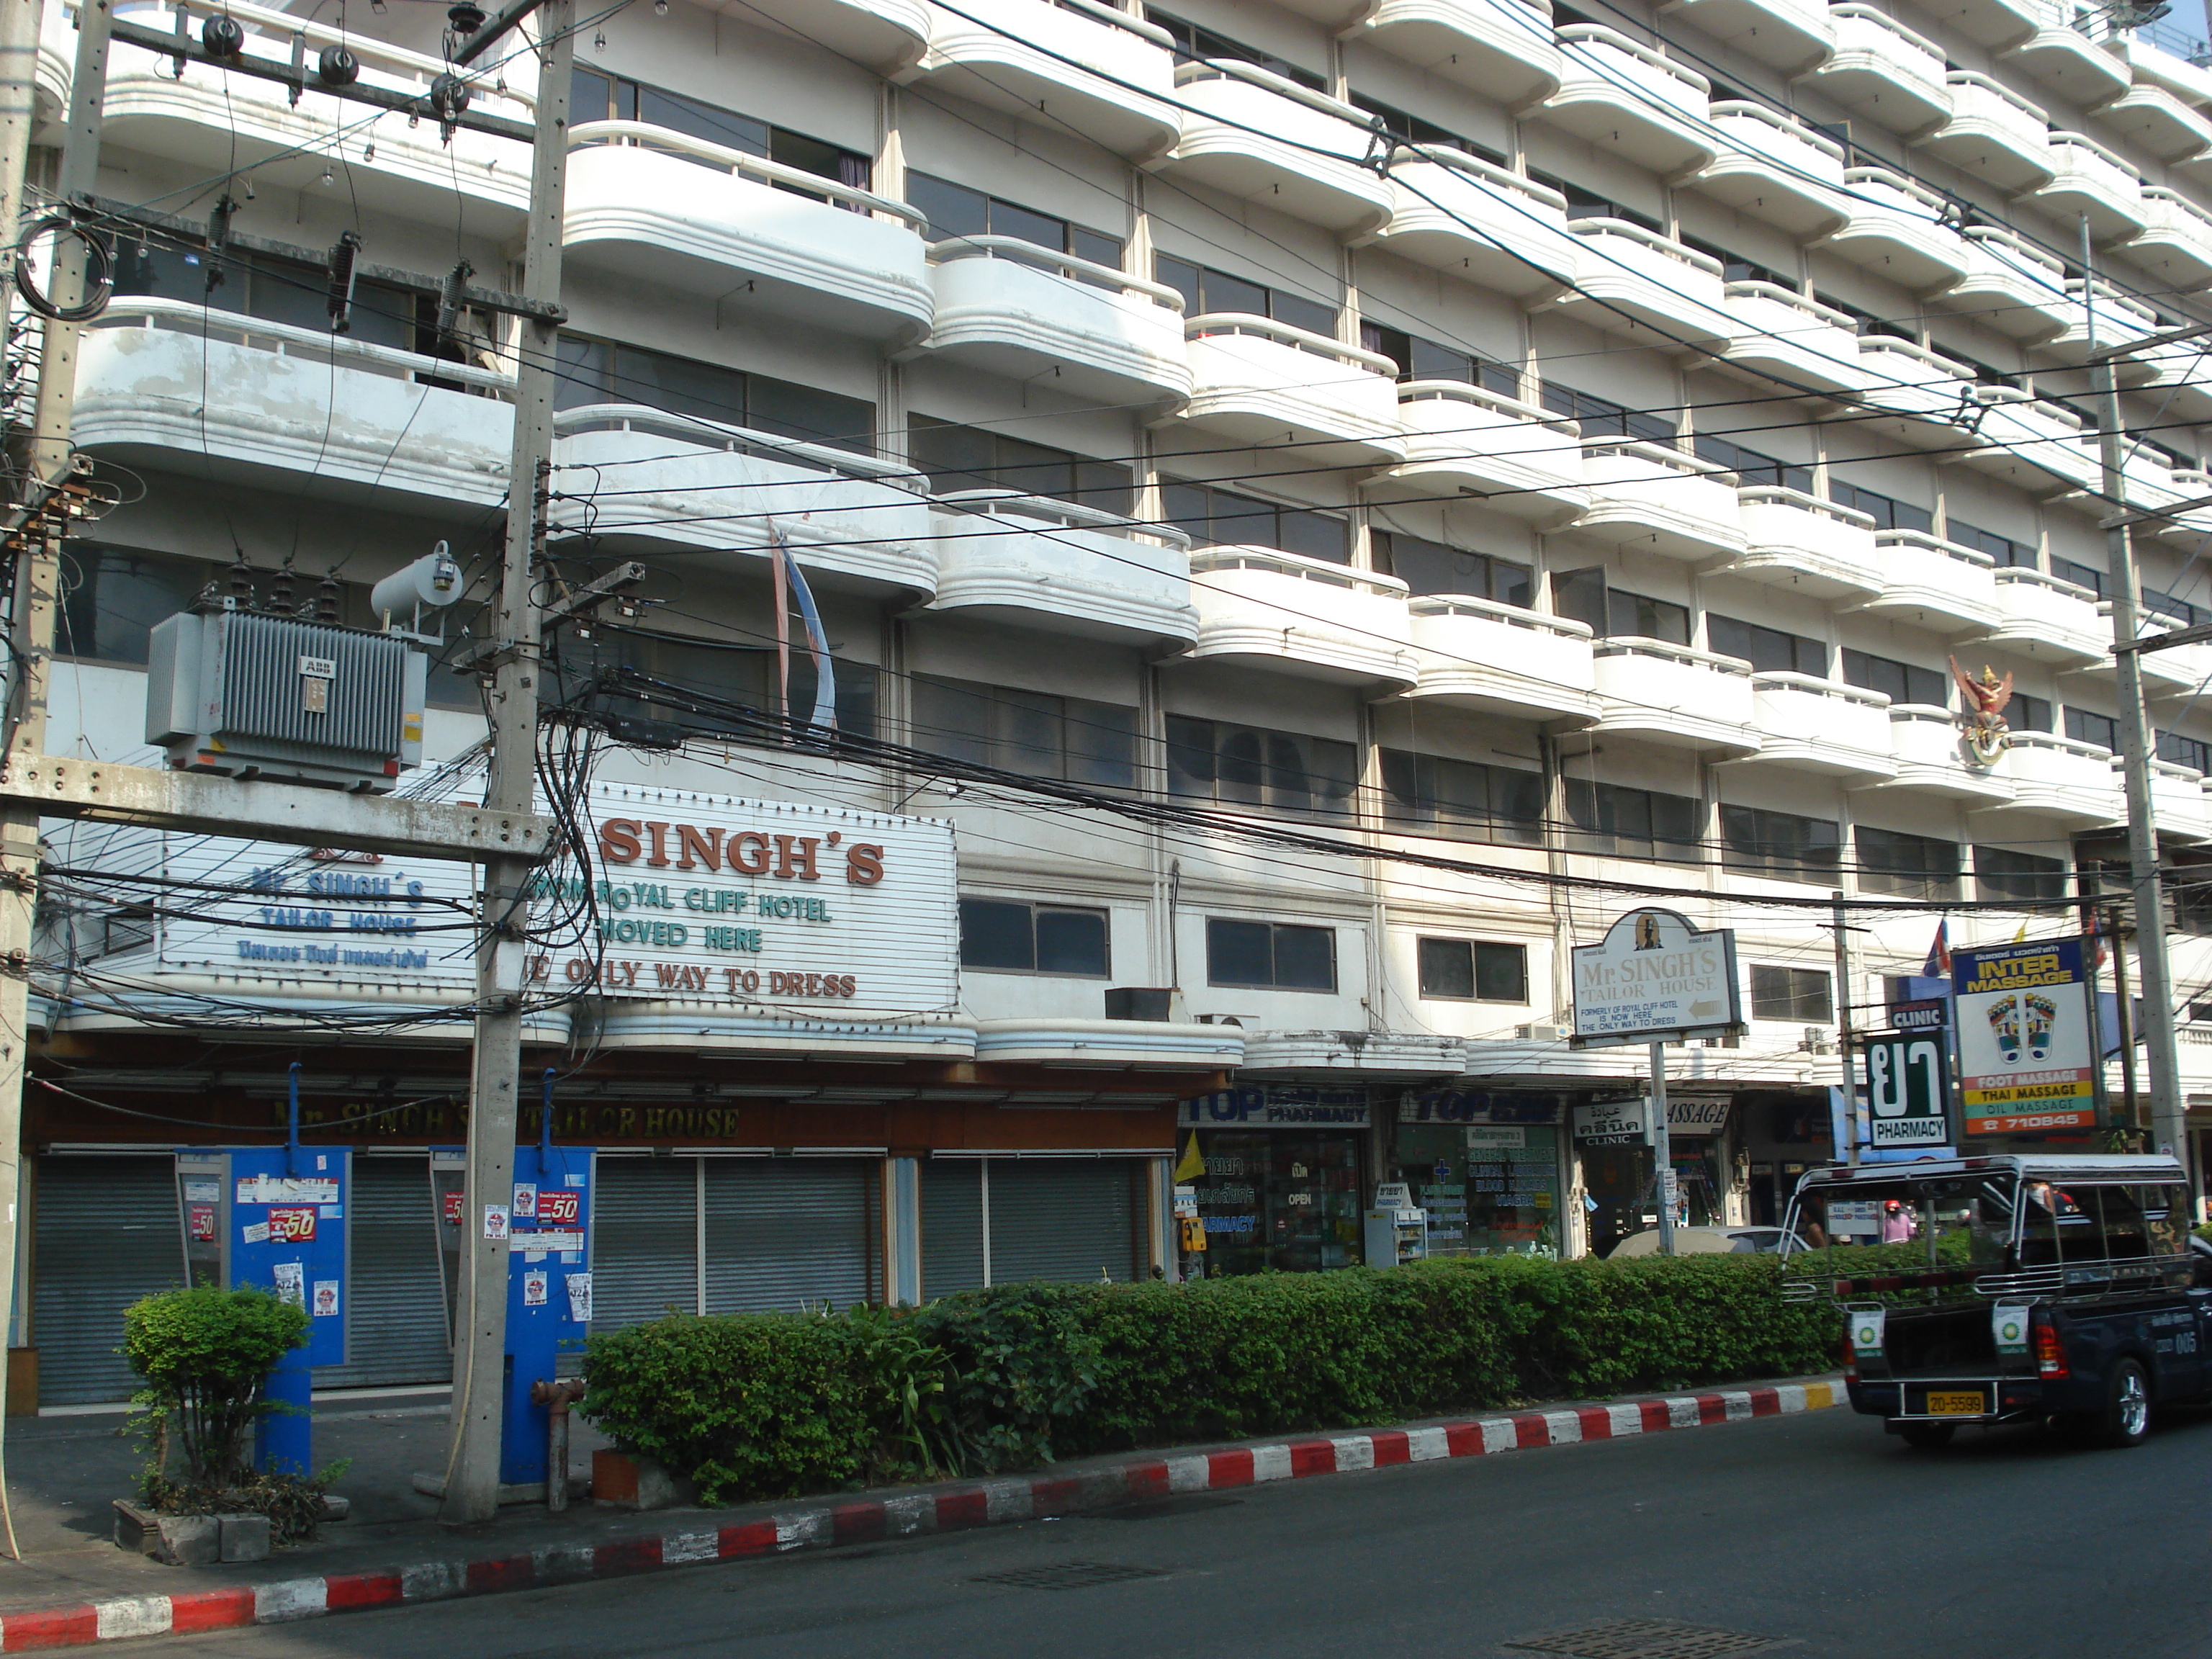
(1068, 1575)
(1646, 1639)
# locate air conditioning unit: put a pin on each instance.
(1238, 1020)
(251, 695)
(1542, 1033)
(1818, 1040)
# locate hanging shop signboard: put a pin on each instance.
(1908, 1078)
(2021, 1012)
(1654, 977)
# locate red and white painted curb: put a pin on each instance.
(938, 1509)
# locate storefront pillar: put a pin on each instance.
(1160, 1229)
(903, 1230)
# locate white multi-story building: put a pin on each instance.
(1562, 447)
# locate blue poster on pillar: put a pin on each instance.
(548, 1292)
(287, 1234)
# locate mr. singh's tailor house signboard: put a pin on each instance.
(1654, 975)
(798, 908)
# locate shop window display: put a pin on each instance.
(1286, 1202)
(1489, 1189)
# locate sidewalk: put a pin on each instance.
(74, 1587)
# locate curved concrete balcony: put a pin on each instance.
(687, 485)
(2164, 673)
(1930, 756)
(1993, 133)
(1622, 96)
(2043, 617)
(2184, 530)
(2178, 806)
(2059, 778)
(1674, 696)
(1994, 23)
(2181, 379)
(1806, 545)
(1776, 170)
(1788, 35)
(1656, 500)
(1899, 230)
(1821, 727)
(1303, 617)
(211, 120)
(2176, 244)
(2010, 286)
(1916, 396)
(1120, 1045)
(172, 385)
(1504, 49)
(644, 202)
(1933, 584)
(2031, 444)
(2089, 181)
(885, 36)
(1457, 213)
(1476, 654)
(2148, 118)
(1635, 281)
(1013, 309)
(1264, 382)
(2120, 320)
(1883, 72)
(1059, 567)
(1511, 457)
(1080, 67)
(2061, 58)
(1316, 169)
(2146, 481)
(1793, 339)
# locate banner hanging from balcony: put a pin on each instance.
(1654, 976)
(769, 906)
(2022, 1015)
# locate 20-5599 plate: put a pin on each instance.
(1956, 1402)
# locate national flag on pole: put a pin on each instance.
(1938, 965)
(1191, 1165)
(788, 574)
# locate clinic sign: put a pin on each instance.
(775, 907)
(1655, 977)
(2021, 1012)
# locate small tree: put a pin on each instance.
(206, 1356)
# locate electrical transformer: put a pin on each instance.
(251, 694)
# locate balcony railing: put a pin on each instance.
(1659, 500)
(1071, 65)
(1813, 725)
(1626, 98)
(1504, 49)
(1674, 696)
(1515, 457)
(1788, 35)
(2031, 443)
(2058, 778)
(2061, 56)
(1933, 584)
(2043, 617)
(1900, 230)
(1933, 395)
(1498, 659)
(2155, 121)
(1884, 72)
(1931, 758)
(1776, 170)
(1812, 546)
(1315, 170)
(1994, 133)
(1790, 338)
(2011, 286)
(1635, 282)
(1257, 378)
(1304, 617)
(1060, 567)
(2176, 245)
(1489, 226)
(2088, 181)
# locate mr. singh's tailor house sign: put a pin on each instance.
(1655, 976)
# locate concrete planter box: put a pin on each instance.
(190, 1541)
(638, 1483)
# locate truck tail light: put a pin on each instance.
(2051, 1353)
(1851, 1360)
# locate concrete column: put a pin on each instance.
(903, 1230)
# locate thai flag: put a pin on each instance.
(1938, 965)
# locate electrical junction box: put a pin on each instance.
(249, 694)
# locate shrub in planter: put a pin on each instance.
(1018, 1360)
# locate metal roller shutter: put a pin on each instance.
(108, 1232)
(951, 1226)
(645, 1240)
(396, 1327)
(1064, 1218)
(787, 1233)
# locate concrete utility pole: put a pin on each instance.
(1662, 1146)
(480, 1351)
(1844, 1042)
(2145, 889)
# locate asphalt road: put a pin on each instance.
(1814, 1531)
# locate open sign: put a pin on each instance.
(559, 1205)
(286, 1225)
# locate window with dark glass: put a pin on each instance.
(2192, 752)
(1735, 268)
(1192, 42)
(1915, 866)
(1222, 518)
(2028, 713)
(2002, 550)
(1412, 128)
(958, 210)
(1009, 936)
(2085, 726)
(2190, 890)
(596, 97)
(1464, 799)
(1781, 844)
(1886, 511)
(2173, 611)
(1602, 417)
(1769, 650)
(1864, 321)
(1036, 735)
(1751, 466)
(112, 600)
(959, 458)
(1900, 682)
(1427, 566)
(2001, 873)
(276, 291)
(1207, 292)
(1585, 203)
(1249, 766)
(607, 372)
(1582, 596)
(1425, 360)
(1472, 971)
(1984, 374)
(1618, 822)
(1780, 993)
(701, 687)
(1270, 956)
(2082, 575)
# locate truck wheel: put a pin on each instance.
(1927, 1437)
(2125, 1420)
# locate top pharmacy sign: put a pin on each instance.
(1655, 977)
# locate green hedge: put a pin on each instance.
(767, 1405)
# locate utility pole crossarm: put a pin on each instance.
(2196, 634)
(2171, 337)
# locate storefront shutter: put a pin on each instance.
(396, 1327)
(1064, 1218)
(108, 1232)
(784, 1234)
(951, 1226)
(645, 1241)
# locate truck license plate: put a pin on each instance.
(1957, 1403)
